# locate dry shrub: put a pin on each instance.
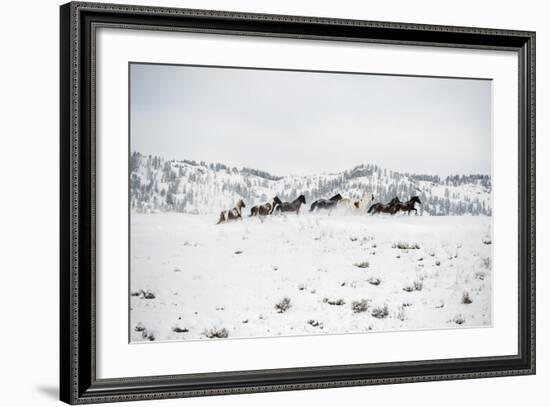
(380, 312)
(360, 306)
(216, 333)
(283, 305)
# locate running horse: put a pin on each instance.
(293, 206)
(362, 203)
(326, 203)
(265, 209)
(409, 205)
(232, 214)
(390, 207)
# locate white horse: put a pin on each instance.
(353, 204)
(365, 202)
(348, 204)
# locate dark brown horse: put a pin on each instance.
(390, 207)
(231, 214)
(409, 205)
(293, 206)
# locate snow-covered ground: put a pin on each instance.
(337, 273)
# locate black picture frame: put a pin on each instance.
(78, 381)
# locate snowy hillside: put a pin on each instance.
(160, 185)
(312, 273)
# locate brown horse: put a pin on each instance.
(231, 214)
(409, 205)
(261, 210)
(390, 207)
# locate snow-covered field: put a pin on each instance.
(329, 273)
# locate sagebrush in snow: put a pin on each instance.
(406, 246)
(216, 333)
(459, 319)
(362, 265)
(339, 301)
(179, 330)
(466, 298)
(145, 334)
(143, 294)
(315, 324)
(415, 286)
(374, 281)
(283, 305)
(380, 312)
(480, 275)
(486, 262)
(401, 315)
(360, 306)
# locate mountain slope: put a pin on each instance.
(157, 184)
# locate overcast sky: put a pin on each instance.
(305, 122)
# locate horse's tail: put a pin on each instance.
(222, 218)
(371, 208)
(313, 206)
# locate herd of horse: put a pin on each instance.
(278, 206)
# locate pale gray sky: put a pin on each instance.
(289, 122)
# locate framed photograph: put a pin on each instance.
(254, 203)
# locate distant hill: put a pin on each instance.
(158, 184)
